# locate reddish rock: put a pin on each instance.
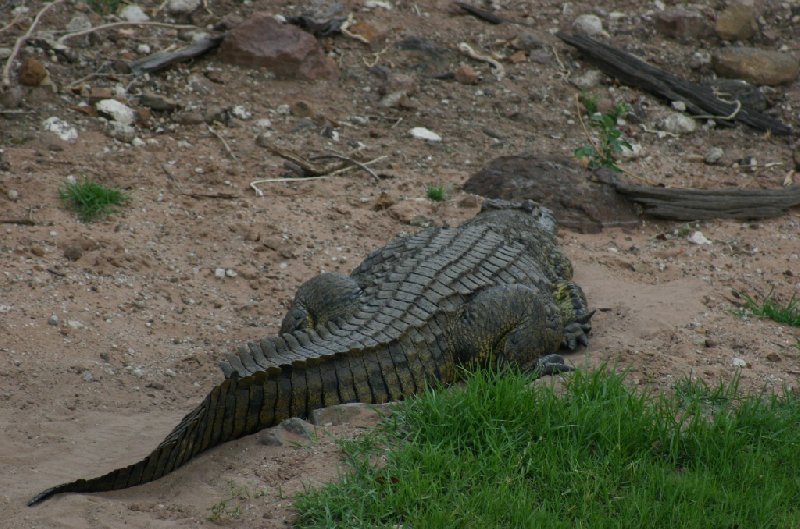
(32, 72)
(683, 24)
(286, 50)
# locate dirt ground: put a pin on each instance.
(102, 355)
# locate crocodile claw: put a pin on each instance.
(552, 364)
(577, 333)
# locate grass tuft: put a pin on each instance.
(502, 452)
(90, 199)
(786, 313)
(436, 192)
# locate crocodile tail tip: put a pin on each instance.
(45, 494)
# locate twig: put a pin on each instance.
(729, 117)
(482, 14)
(564, 72)
(352, 161)
(117, 24)
(224, 143)
(56, 272)
(377, 57)
(225, 196)
(466, 49)
(267, 180)
(23, 222)
(346, 31)
(21, 40)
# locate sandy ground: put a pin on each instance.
(142, 319)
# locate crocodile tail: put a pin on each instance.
(236, 407)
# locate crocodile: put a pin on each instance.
(496, 289)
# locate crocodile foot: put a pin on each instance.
(576, 333)
(551, 364)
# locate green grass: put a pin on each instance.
(787, 313)
(436, 192)
(90, 199)
(502, 453)
(603, 151)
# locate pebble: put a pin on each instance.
(157, 101)
(60, 128)
(588, 79)
(74, 324)
(421, 133)
(182, 7)
(52, 320)
(678, 124)
(263, 124)
(170, 372)
(590, 25)
(466, 74)
(87, 376)
(5, 308)
(241, 112)
(133, 13)
(678, 106)
(230, 273)
(219, 273)
(120, 131)
(633, 152)
(756, 65)
(697, 237)
(73, 252)
(713, 155)
(119, 112)
(737, 22)
(5, 53)
(138, 371)
(13, 195)
(79, 22)
(32, 72)
(143, 49)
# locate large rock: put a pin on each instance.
(578, 200)
(763, 67)
(286, 50)
(682, 24)
(737, 22)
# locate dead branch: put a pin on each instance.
(68, 36)
(22, 222)
(348, 160)
(21, 40)
(482, 14)
(224, 143)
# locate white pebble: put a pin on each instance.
(119, 112)
(219, 273)
(421, 133)
(241, 112)
(590, 25)
(170, 372)
(144, 49)
(230, 273)
(133, 13)
(60, 128)
(697, 237)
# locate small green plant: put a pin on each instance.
(231, 506)
(90, 199)
(787, 313)
(604, 151)
(436, 192)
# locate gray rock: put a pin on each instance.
(269, 438)
(133, 13)
(678, 124)
(682, 24)
(737, 22)
(713, 155)
(119, 112)
(52, 320)
(298, 426)
(286, 50)
(87, 376)
(590, 25)
(73, 252)
(355, 414)
(182, 7)
(588, 79)
(5, 53)
(762, 67)
(79, 22)
(120, 131)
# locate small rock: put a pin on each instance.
(678, 124)
(138, 371)
(241, 112)
(738, 362)
(682, 24)
(633, 151)
(590, 25)
(52, 320)
(219, 273)
(87, 376)
(298, 427)
(527, 41)
(230, 273)
(269, 438)
(466, 74)
(74, 324)
(383, 201)
(143, 49)
(158, 386)
(737, 22)
(60, 128)
(678, 106)
(13, 195)
(170, 372)
(79, 22)
(5, 308)
(713, 155)
(421, 133)
(133, 13)
(182, 7)
(5, 53)
(773, 357)
(157, 102)
(301, 109)
(32, 72)
(697, 237)
(73, 252)
(763, 67)
(189, 117)
(355, 414)
(120, 131)
(200, 84)
(119, 112)
(468, 202)
(588, 79)
(263, 124)
(284, 49)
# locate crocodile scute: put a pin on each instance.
(495, 289)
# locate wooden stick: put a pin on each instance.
(21, 40)
(68, 36)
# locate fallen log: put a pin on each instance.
(699, 98)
